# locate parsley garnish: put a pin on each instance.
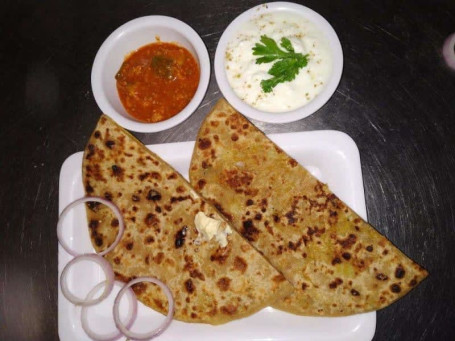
(288, 62)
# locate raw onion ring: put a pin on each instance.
(112, 206)
(448, 51)
(157, 331)
(105, 266)
(117, 333)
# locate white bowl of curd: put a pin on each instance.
(278, 62)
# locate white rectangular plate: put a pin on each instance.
(331, 156)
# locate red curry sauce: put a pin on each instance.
(157, 81)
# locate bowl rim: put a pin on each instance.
(301, 112)
(150, 21)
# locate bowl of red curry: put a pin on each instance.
(151, 73)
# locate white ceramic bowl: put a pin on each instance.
(301, 112)
(129, 37)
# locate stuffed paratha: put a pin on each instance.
(337, 262)
(210, 283)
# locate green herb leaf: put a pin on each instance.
(268, 49)
(287, 62)
(286, 44)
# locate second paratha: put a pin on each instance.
(337, 262)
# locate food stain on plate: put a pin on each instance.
(157, 81)
(281, 49)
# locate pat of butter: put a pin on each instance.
(209, 228)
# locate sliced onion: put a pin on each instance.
(448, 51)
(112, 206)
(146, 336)
(109, 282)
(115, 334)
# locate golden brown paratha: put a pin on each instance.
(210, 283)
(337, 262)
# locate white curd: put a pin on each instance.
(245, 76)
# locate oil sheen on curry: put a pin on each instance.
(157, 81)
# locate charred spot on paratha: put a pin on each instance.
(336, 260)
(346, 255)
(158, 258)
(204, 143)
(192, 268)
(172, 176)
(155, 175)
(91, 151)
(88, 188)
(117, 171)
(158, 303)
(382, 277)
(195, 273)
(110, 144)
(180, 237)
(189, 286)
(291, 217)
(229, 309)
(238, 180)
(143, 176)
(221, 255)
(123, 278)
(221, 210)
(249, 231)
(240, 264)
(108, 196)
(294, 245)
(93, 206)
(151, 219)
(179, 198)
(93, 224)
(292, 163)
(395, 288)
(279, 278)
(139, 288)
(336, 282)
(223, 283)
(348, 242)
(355, 292)
(98, 240)
(399, 271)
(180, 189)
